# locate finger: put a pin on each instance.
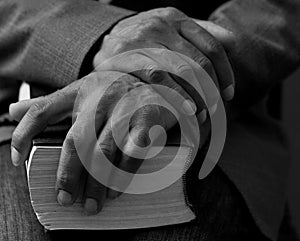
(188, 49)
(150, 72)
(193, 80)
(143, 134)
(225, 36)
(47, 110)
(69, 172)
(188, 86)
(127, 162)
(95, 192)
(71, 166)
(215, 51)
(34, 122)
(187, 105)
(19, 109)
(66, 95)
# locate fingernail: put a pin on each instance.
(189, 107)
(90, 206)
(213, 109)
(228, 92)
(202, 116)
(64, 198)
(15, 157)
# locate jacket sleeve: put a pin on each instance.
(265, 51)
(46, 41)
(267, 43)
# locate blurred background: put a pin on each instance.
(291, 121)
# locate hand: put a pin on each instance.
(34, 115)
(168, 28)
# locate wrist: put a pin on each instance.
(87, 65)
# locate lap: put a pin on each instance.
(221, 213)
(17, 219)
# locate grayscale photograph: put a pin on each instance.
(158, 120)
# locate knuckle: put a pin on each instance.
(120, 46)
(120, 86)
(171, 11)
(182, 68)
(107, 39)
(154, 24)
(143, 139)
(39, 110)
(179, 44)
(115, 44)
(112, 91)
(17, 140)
(198, 58)
(106, 150)
(206, 64)
(155, 76)
(214, 49)
(65, 181)
(108, 42)
(66, 178)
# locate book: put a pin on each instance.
(165, 207)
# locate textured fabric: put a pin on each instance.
(267, 44)
(223, 215)
(5, 133)
(256, 160)
(45, 44)
(7, 127)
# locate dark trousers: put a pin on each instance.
(221, 211)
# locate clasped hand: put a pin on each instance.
(165, 28)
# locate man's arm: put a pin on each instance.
(266, 44)
(45, 42)
(266, 48)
